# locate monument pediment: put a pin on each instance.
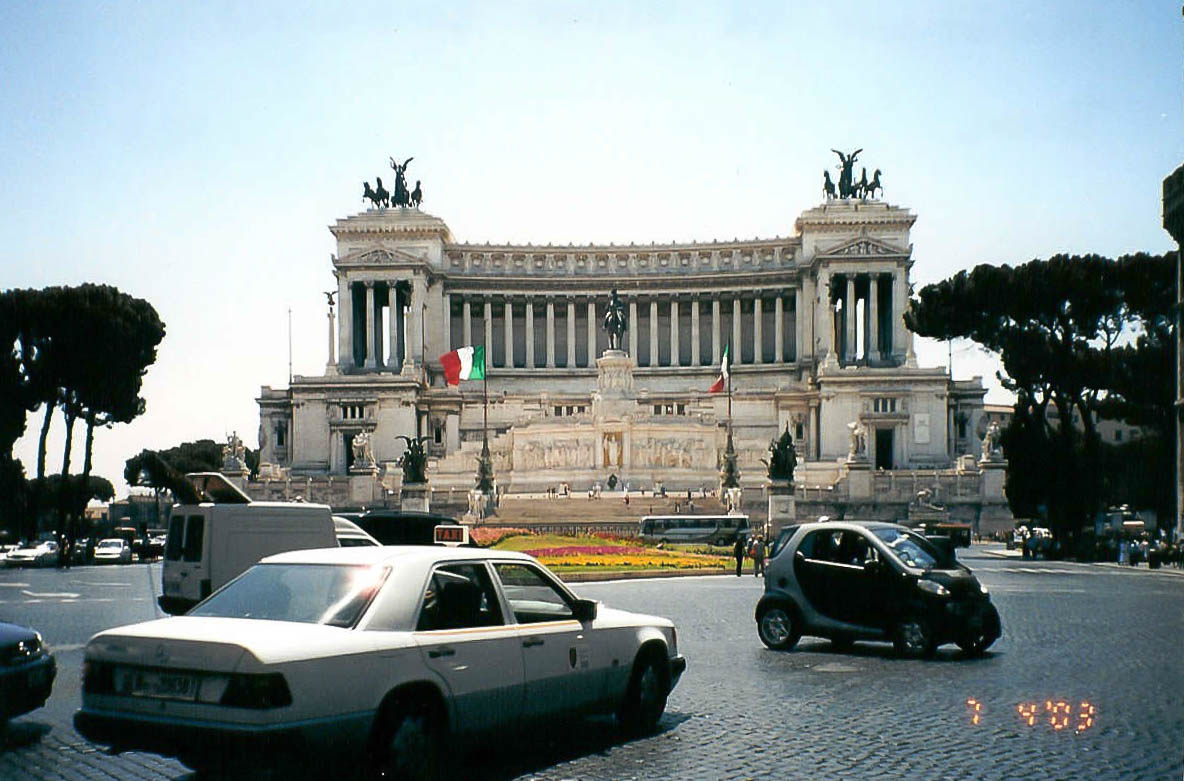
(864, 247)
(384, 257)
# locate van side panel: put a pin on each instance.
(244, 534)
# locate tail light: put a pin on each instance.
(257, 691)
(98, 678)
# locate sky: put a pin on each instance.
(193, 154)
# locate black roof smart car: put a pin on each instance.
(850, 581)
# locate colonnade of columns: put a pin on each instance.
(544, 331)
(865, 316)
(362, 338)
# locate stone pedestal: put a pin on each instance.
(993, 474)
(731, 499)
(480, 506)
(859, 481)
(614, 396)
(415, 497)
(782, 507)
(363, 484)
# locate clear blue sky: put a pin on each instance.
(194, 153)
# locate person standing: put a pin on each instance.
(758, 558)
(738, 552)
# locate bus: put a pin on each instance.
(715, 529)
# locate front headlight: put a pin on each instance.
(933, 587)
(982, 587)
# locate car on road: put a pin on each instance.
(349, 534)
(27, 671)
(850, 581)
(391, 656)
(113, 550)
(36, 554)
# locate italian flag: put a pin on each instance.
(467, 363)
(720, 381)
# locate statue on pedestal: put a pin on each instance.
(615, 321)
(846, 173)
(858, 435)
(991, 442)
(414, 461)
(233, 454)
(363, 454)
(783, 459)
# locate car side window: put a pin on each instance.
(822, 545)
(459, 596)
(533, 598)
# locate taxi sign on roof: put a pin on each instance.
(451, 535)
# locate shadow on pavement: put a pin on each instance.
(22, 734)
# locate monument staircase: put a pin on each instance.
(578, 513)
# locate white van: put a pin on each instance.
(211, 542)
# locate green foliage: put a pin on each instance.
(1079, 337)
(783, 459)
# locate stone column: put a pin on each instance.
(592, 325)
(633, 329)
(446, 331)
(737, 353)
(849, 352)
(550, 333)
(715, 348)
(393, 327)
(695, 358)
(654, 333)
(467, 323)
(345, 322)
(758, 343)
(370, 362)
(419, 295)
(900, 302)
(529, 333)
(873, 317)
(488, 335)
(508, 317)
(674, 361)
(779, 329)
(799, 334)
(571, 333)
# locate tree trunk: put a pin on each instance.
(49, 408)
(86, 463)
(64, 494)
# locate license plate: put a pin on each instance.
(152, 683)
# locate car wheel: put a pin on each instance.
(645, 699)
(913, 638)
(778, 628)
(408, 743)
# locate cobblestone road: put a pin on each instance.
(1073, 633)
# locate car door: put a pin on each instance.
(562, 672)
(813, 565)
(464, 638)
(856, 589)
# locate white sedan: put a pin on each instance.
(113, 550)
(388, 653)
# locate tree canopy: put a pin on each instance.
(1080, 338)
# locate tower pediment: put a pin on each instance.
(864, 247)
(380, 257)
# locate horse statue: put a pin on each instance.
(861, 188)
(615, 321)
(416, 197)
(379, 198)
(873, 185)
(828, 187)
(414, 460)
(400, 197)
(846, 175)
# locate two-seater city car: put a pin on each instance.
(390, 654)
(851, 581)
(27, 671)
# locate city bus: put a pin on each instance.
(715, 529)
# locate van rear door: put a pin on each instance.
(186, 576)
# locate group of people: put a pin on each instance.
(753, 547)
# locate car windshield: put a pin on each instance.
(331, 594)
(910, 548)
(111, 544)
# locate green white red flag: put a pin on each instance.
(722, 380)
(467, 363)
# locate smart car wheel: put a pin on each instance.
(975, 641)
(778, 628)
(913, 638)
(645, 699)
(408, 746)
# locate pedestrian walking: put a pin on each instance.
(738, 552)
(758, 558)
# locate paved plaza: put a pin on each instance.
(1084, 683)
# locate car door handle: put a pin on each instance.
(531, 642)
(437, 653)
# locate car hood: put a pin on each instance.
(961, 582)
(11, 633)
(195, 641)
(612, 617)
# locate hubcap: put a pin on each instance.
(913, 636)
(776, 626)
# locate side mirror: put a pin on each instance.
(584, 610)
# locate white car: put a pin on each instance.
(387, 653)
(113, 550)
(41, 554)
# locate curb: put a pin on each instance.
(594, 577)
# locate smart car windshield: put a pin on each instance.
(331, 594)
(912, 549)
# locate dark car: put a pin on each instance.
(27, 670)
(850, 581)
(396, 527)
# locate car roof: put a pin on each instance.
(851, 524)
(389, 554)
